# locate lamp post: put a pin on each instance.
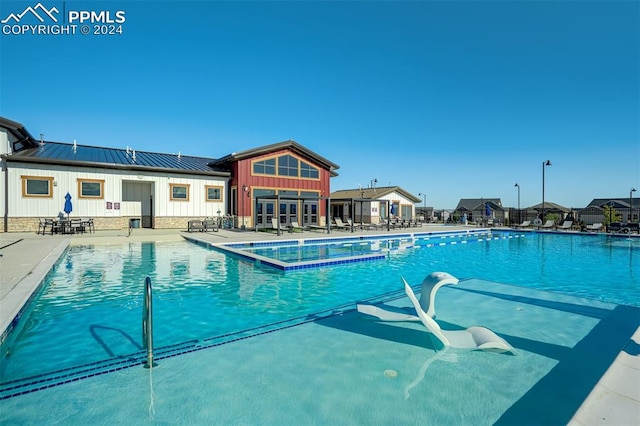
(424, 196)
(631, 203)
(245, 188)
(544, 164)
(519, 218)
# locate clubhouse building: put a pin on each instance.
(118, 187)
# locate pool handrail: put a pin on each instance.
(147, 323)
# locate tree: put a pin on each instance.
(611, 215)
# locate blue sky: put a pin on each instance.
(452, 99)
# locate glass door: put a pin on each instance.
(310, 213)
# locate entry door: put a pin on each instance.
(310, 214)
(288, 212)
(264, 213)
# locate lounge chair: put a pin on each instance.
(524, 224)
(430, 286)
(567, 224)
(594, 227)
(473, 338)
(295, 227)
(548, 224)
(315, 228)
(340, 224)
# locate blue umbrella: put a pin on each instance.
(68, 207)
(487, 209)
(393, 208)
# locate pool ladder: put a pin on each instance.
(147, 324)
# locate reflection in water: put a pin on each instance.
(423, 370)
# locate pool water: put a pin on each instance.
(89, 309)
(322, 249)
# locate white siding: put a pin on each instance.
(124, 187)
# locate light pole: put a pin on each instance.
(544, 164)
(245, 188)
(424, 196)
(519, 218)
(631, 203)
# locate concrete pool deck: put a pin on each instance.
(27, 257)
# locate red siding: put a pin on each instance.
(241, 172)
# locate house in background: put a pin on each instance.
(626, 208)
(373, 205)
(115, 186)
(480, 210)
(549, 208)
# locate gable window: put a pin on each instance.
(308, 171)
(214, 193)
(287, 166)
(37, 186)
(265, 167)
(179, 192)
(90, 188)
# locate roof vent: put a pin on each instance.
(41, 138)
(75, 145)
(133, 155)
(178, 155)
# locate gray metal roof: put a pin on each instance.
(83, 155)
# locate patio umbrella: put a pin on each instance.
(487, 209)
(393, 209)
(68, 207)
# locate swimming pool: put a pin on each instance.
(91, 304)
(310, 253)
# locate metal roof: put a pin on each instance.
(83, 155)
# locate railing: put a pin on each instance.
(147, 324)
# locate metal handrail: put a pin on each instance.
(147, 323)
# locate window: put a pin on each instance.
(35, 186)
(179, 192)
(214, 193)
(90, 188)
(287, 166)
(265, 167)
(308, 171)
